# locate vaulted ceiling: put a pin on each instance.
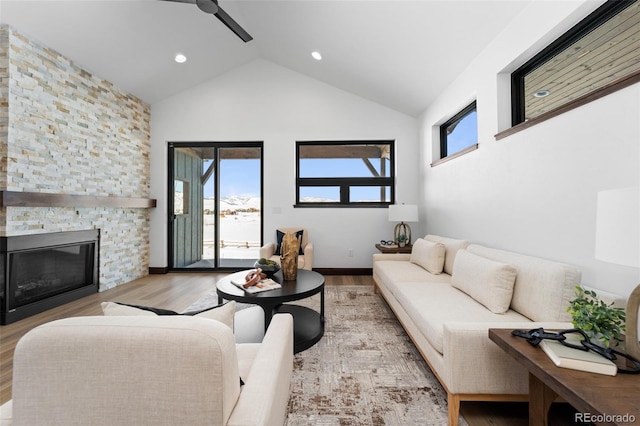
(398, 53)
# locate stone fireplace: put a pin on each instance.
(74, 156)
(42, 271)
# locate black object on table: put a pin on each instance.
(308, 324)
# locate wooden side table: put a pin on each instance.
(597, 398)
(394, 249)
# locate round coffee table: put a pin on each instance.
(308, 324)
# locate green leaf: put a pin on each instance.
(595, 316)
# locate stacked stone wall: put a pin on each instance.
(70, 132)
(4, 112)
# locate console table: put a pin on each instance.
(603, 399)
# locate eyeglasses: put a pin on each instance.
(386, 243)
(536, 335)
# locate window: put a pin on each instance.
(594, 58)
(180, 197)
(460, 133)
(345, 173)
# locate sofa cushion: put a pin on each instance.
(543, 288)
(246, 355)
(391, 272)
(429, 255)
(126, 370)
(451, 248)
(487, 281)
(248, 325)
(441, 304)
(223, 313)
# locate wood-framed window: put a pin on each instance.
(599, 55)
(345, 173)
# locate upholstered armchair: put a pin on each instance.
(305, 259)
(150, 370)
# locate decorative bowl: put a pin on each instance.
(268, 268)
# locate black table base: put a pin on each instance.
(308, 324)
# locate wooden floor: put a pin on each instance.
(176, 291)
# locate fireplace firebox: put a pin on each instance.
(41, 271)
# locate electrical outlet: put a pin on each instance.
(350, 252)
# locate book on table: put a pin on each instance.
(575, 359)
(263, 285)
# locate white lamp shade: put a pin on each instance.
(403, 213)
(618, 226)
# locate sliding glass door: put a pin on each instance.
(215, 197)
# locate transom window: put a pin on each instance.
(596, 56)
(345, 173)
(460, 132)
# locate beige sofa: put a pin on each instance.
(150, 370)
(448, 310)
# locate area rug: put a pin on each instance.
(364, 370)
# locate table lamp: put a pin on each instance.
(618, 241)
(403, 213)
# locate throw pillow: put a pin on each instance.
(223, 313)
(429, 255)
(485, 280)
(452, 246)
(123, 310)
(280, 235)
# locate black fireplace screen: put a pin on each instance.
(41, 271)
(39, 274)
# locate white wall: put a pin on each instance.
(265, 102)
(533, 192)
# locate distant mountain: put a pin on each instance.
(318, 200)
(235, 202)
(239, 200)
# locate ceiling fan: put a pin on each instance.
(211, 6)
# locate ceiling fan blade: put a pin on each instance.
(182, 1)
(211, 6)
(207, 6)
(232, 25)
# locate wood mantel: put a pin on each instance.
(43, 199)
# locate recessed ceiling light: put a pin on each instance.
(541, 93)
(316, 55)
(180, 58)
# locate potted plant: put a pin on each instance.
(402, 240)
(600, 321)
